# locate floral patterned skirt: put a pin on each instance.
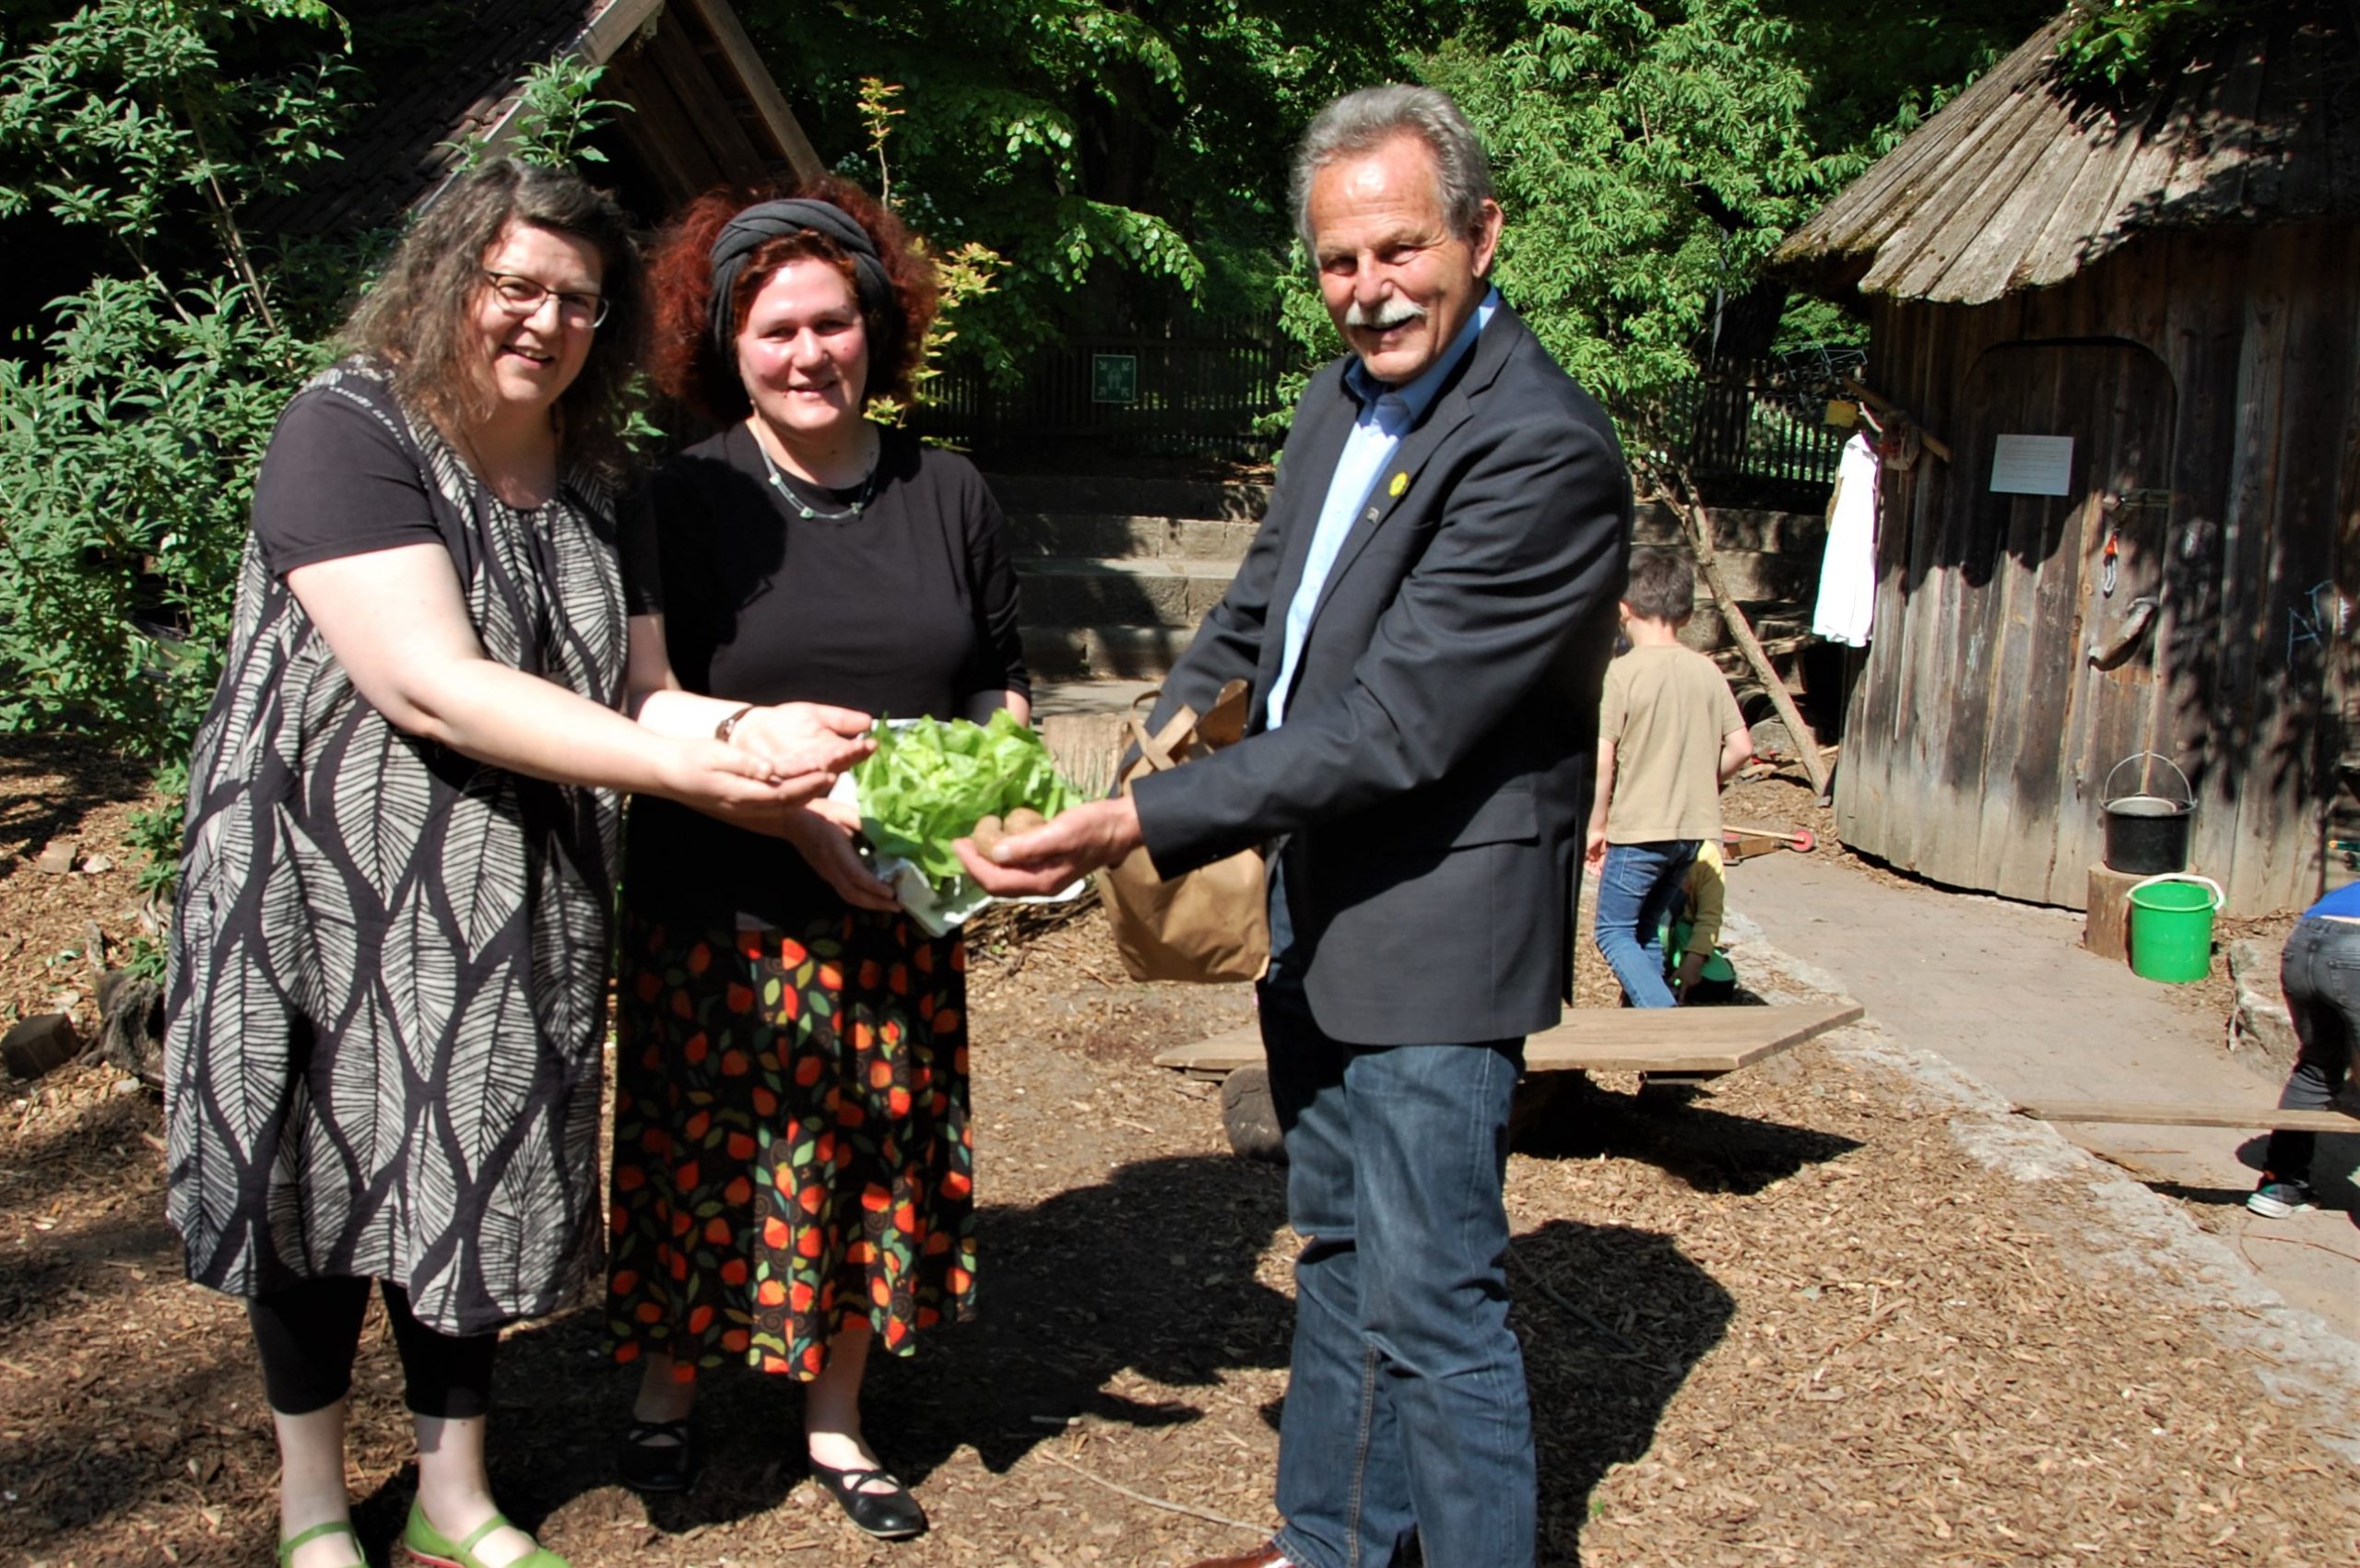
(792, 1148)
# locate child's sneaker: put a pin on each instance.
(2275, 1199)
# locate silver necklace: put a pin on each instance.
(803, 508)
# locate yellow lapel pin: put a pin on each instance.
(1400, 482)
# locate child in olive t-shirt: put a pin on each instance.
(1669, 735)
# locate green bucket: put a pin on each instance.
(2171, 926)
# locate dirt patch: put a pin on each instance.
(63, 804)
(1787, 1321)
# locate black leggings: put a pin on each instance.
(308, 1334)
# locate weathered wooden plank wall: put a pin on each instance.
(2223, 367)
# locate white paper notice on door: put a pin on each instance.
(2031, 465)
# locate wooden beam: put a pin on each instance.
(612, 28)
(1689, 502)
(720, 19)
(2158, 1114)
(690, 72)
(1649, 1040)
(1926, 436)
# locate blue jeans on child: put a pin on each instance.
(1637, 889)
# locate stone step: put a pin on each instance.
(1083, 591)
(1109, 536)
(1787, 533)
(1760, 577)
(1103, 653)
(1225, 501)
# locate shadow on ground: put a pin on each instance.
(92, 775)
(1150, 1272)
(1614, 1319)
(1565, 1115)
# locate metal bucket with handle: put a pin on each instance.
(2146, 834)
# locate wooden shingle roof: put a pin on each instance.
(2021, 181)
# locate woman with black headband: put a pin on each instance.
(793, 1166)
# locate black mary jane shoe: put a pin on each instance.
(873, 1501)
(660, 1456)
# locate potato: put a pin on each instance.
(987, 834)
(1023, 820)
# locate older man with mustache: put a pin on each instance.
(1426, 616)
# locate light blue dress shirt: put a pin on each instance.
(1386, 413)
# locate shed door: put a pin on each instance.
(2037, 727)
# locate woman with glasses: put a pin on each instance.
(793, 1178)
(389, 957)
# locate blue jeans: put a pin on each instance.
(1636, 890)
(1406, 1405)
(2320, 974)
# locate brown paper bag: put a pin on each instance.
(1210, 925)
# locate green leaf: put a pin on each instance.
(930, 782)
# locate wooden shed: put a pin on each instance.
(703, 108)
(2171, 284)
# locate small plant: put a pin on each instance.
(143, 958)
(963, 276)
(156, 833)
(557, 112)
(2127, 43)
(877, 112)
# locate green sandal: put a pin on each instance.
(287, 1548)
(428, 1545)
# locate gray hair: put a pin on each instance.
(1359, 121)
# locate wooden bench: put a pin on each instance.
(1682, 1042)
(2158, 1114)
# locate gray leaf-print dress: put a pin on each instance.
(388, 962)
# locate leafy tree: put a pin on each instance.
(1122, 158)
(1652, 155)
(140, 129)
(1877, 69)
(2125, 42)
(1652, 158)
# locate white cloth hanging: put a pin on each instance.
(1847, 571)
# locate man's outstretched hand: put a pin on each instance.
(1049, 858)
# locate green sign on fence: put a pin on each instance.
(1114, 377)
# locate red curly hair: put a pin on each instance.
(681, 359)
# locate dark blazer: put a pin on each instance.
(1432, 781)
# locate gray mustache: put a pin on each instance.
(1385, 317)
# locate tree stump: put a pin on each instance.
(130, 1025)
(1249, 1118)
(2105, 928)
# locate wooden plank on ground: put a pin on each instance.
(2160, 1114)
(1665, 1040)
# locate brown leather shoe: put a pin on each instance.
(1267, 1555)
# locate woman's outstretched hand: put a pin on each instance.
(795, 738)
(823, 833)
(781, 756)
(801, 737)
(714, 774)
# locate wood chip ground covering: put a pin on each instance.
(1789, 1321)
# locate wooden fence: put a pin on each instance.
(1202, 391)
(1199, 390)
(1757, 424)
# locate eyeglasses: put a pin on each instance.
(523, 296)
